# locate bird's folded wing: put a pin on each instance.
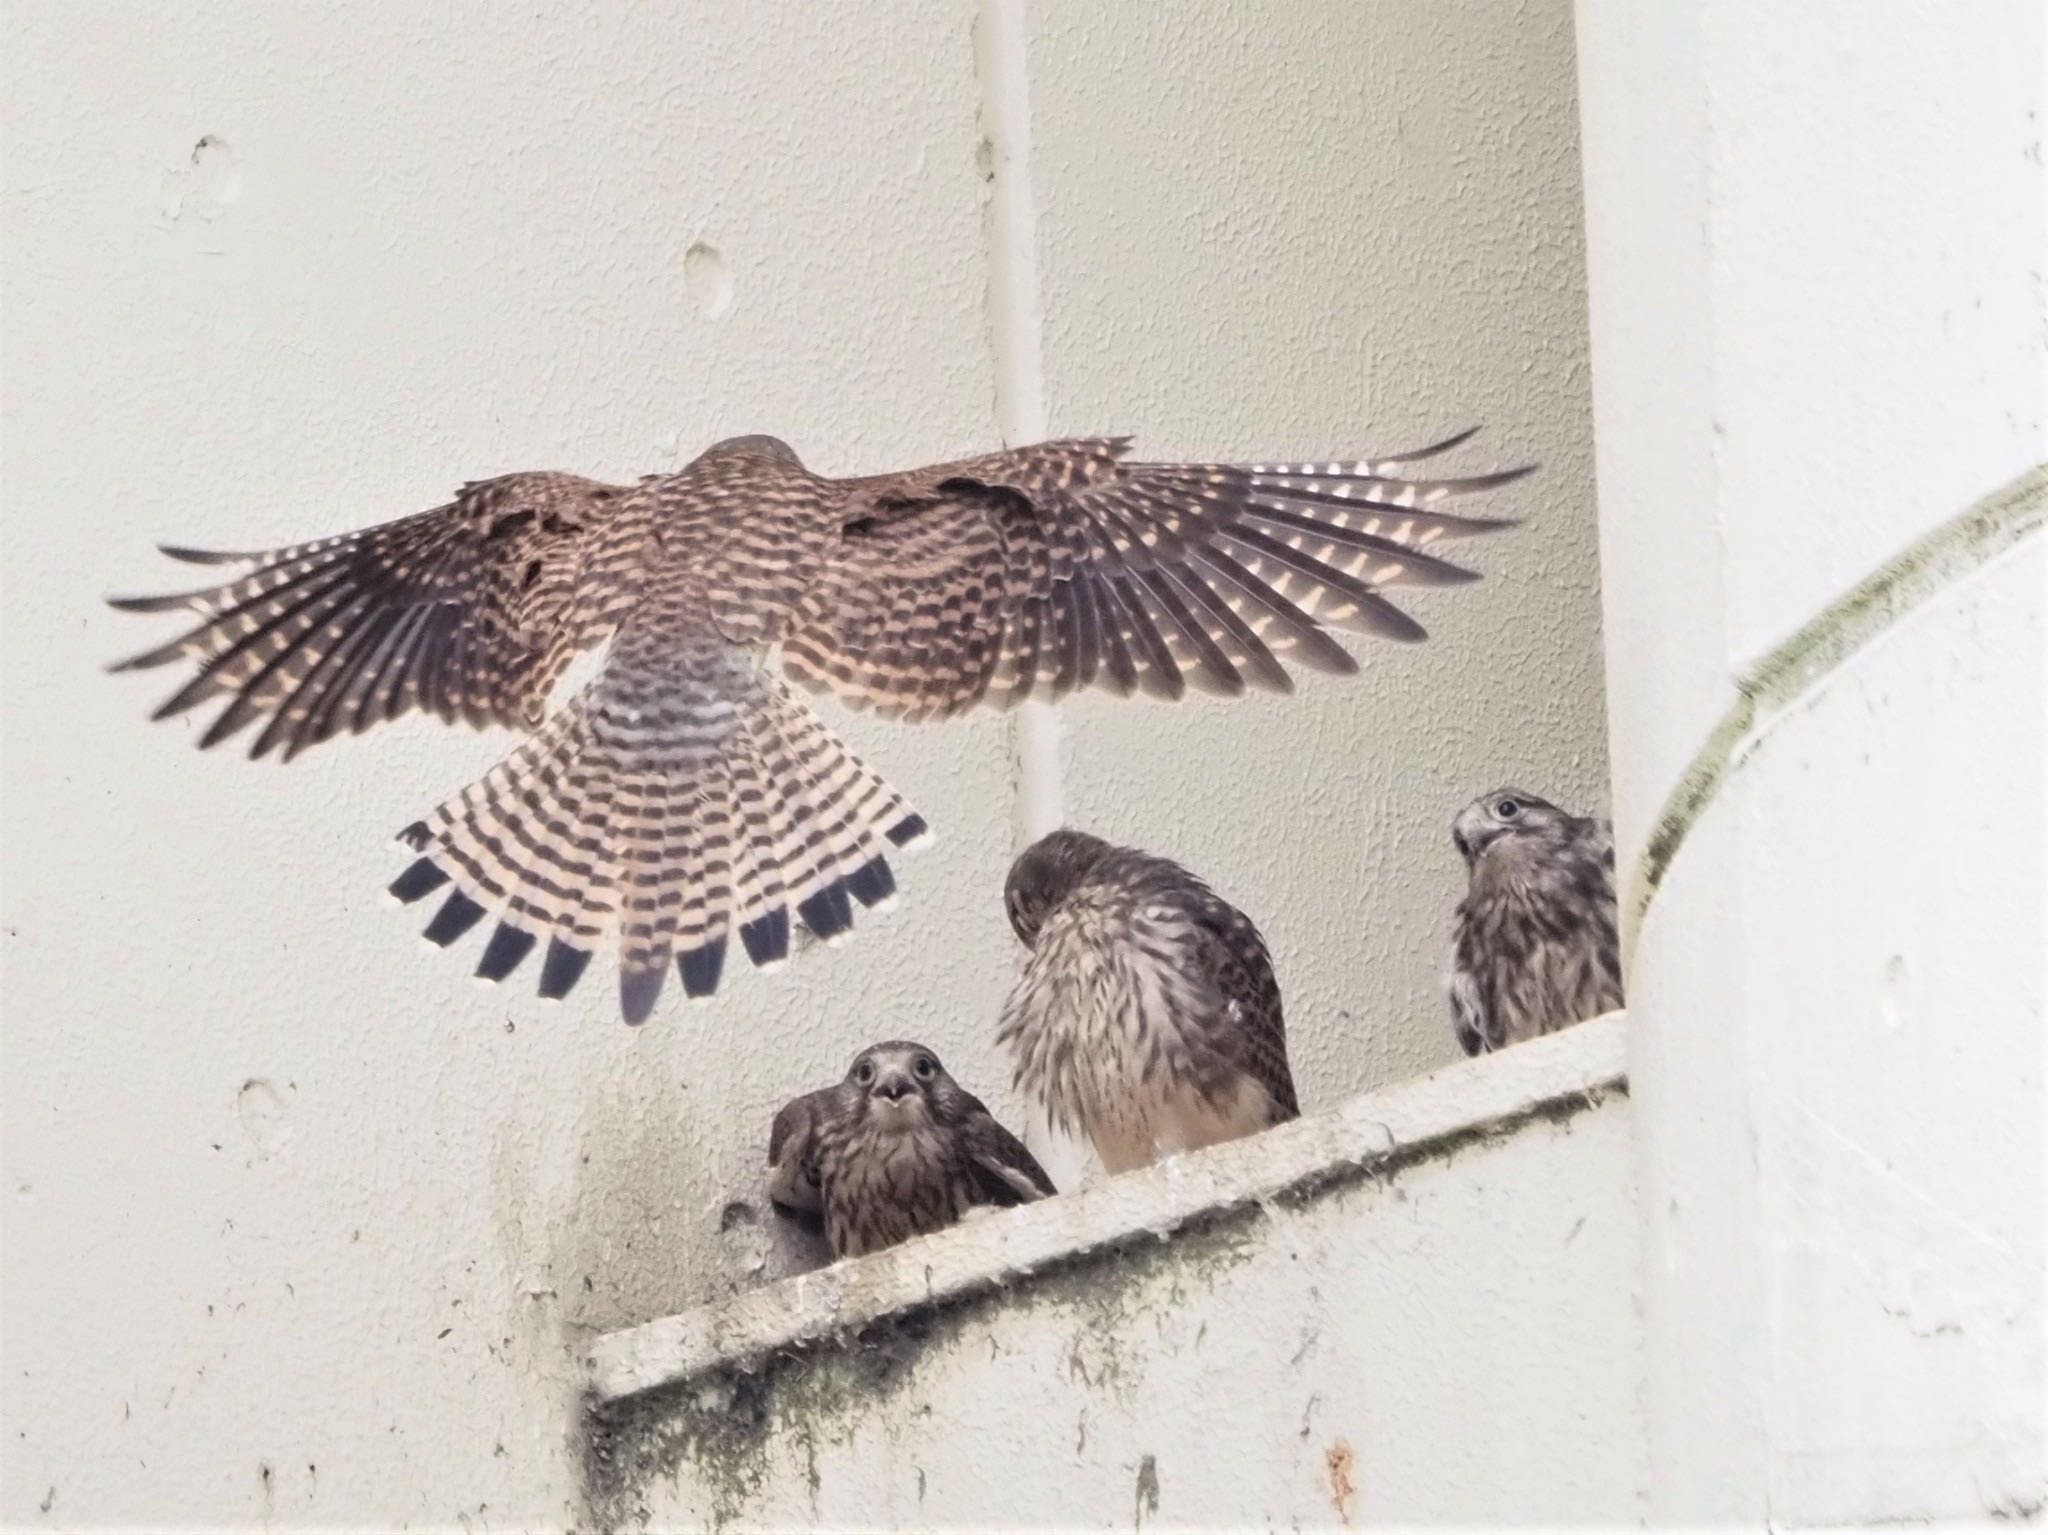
(1006, 1173)
(793, 1151)
(469, 611)
(1062, 565)
(1234, 955)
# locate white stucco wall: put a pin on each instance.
(299, 1225)
(1815, 242)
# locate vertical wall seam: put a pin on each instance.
(1016, 340)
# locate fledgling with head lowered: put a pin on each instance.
(1147, 1017)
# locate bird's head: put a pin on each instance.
(751, 450)
(1044, 874)
(899, 1084)
(1504, 813)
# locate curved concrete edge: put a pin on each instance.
(1929, 566)
(1369, 1136)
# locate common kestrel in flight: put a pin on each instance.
(685, 795)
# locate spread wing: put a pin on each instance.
(470, 611)
(1063, 565)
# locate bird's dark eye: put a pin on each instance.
(1508, 809)
(864, 1073)
(927, 1068)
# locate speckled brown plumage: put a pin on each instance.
(684, 796)
(1147, 1016)
(896, 1150)
(1536, 947)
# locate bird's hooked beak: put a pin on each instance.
(1475, 840)
(894, 1096)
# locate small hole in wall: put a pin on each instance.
(216, 171)
(263, 1112)
(708, 279)
(737, 1214)
(202, 185)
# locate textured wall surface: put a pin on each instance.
(1435, 1327)
(1888, 1082)
(299, 1223)
(297, 1213)
(1832, 784)
(1327, 229)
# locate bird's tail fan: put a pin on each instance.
(674, 831)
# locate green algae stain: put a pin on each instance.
(1958, 548)
(725, 1432)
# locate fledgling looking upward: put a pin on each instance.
(1536, 948)
(896, 1150)
(1147, 1017)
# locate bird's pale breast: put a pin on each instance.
(1110, 1027)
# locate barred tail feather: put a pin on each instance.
(849, 822)
(672, 833)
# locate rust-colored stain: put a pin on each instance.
(1337, 1464)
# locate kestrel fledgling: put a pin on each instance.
(1147, 1017)
(1536, 949)
(896, 1150)
(684, 797)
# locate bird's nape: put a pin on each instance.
(1041, 876)
(1147, 1016)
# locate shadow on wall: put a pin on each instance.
(596, 1212)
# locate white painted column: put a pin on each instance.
(1016, 338)
(1815, 241)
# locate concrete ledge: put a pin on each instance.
(1371, 1135)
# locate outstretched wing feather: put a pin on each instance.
(469, 611)
(1042, 570)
